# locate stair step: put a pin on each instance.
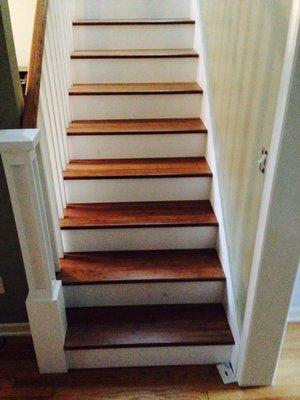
(135, 9)
(135, 88)
(136, 127)
(135, 101)
(158, 21)
(140, 267)
(94, 181)
(152, 53)
(138, 168)
(147, 326)
(139, 215)
(129, 66)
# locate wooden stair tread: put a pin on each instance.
(125, 267)
(156, 21)
(138, 168)
(139, 214)
(143, 126)
(145, 53)
(135, 88)
(147, 326)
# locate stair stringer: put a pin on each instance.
(229, 300)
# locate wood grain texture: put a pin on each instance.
(125, 54)
(147, 326)
(99, 22)
(35, 66)
(140, 267)
(135, 88)
(138, 168)
(136, 127)
(21, 380)
(138, 215)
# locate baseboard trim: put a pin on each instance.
(20, 329)
(294, 314)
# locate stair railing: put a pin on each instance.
(47, 103)
(34, 159)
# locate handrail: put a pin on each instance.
(47, 105)
(35, 66)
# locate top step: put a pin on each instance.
(125, 9)
(133, 54)
(118, 22)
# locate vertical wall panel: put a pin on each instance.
(245, 43)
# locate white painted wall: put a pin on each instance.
(277, 246)
(245, 45)
(295, 306)
(22, 19)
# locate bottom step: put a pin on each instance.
(149, 357)
(147, 336)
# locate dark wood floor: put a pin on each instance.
(19, 379)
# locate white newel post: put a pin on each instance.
(45, 301)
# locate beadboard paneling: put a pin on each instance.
(245, 45)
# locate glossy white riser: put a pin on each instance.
(126, 190)
(144, 293)
(132, 9)
(118, 37)
(148, 356)
(139, 239)
(136, 106)
(134, 70)
(137, 146)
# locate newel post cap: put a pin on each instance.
(12, 140)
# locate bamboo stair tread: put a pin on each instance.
(124, 22)
(137, 127)
(145, 53)
(135, 88)
(116, 267)
(147, 326)
(138, 168)
(139, 215)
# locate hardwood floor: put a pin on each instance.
(19, 379)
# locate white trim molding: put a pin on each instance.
(18, 329)
(215, 198)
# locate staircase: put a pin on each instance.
(142, 280)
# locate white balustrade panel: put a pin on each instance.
(54, 108)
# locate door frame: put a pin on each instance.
(277, 247)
